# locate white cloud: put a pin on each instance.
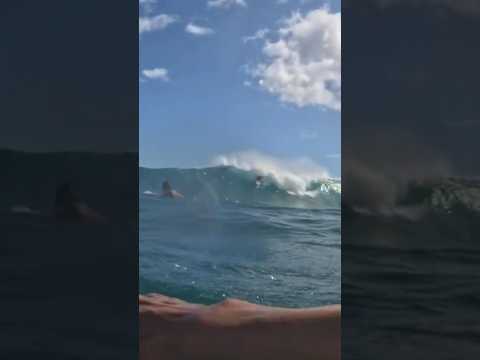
(156, 74)
(303, 66)
(226, 3)
(282, 2)
(259, 35)
(158, 22)
(198, 30)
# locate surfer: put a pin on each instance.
(69, 207)
(258, 180)
(167, 191)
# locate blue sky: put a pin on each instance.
(209, 86)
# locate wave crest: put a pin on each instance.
(300, 177)
(297, 184)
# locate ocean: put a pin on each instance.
(273, 240)
(69, 290)
(410, 274)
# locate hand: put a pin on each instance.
(234, 329)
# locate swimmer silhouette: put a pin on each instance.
(69, 207)
(167, 191)
(258, 180)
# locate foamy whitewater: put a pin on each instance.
(249, 227)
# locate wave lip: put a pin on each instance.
(300, 177)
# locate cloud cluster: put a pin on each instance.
(259, 35)
(225, 4)
(303, 66)
(198, 30)
(153, 23)
(156, 74)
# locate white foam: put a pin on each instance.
(293, 175)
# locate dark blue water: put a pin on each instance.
(410, 276)
(69, 289)
(204, 251)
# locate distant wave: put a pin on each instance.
(445, 194)
(234, 179)
(434, 196)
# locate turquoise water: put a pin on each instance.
(237, 241)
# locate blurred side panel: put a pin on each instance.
(410, 174)
(69, 180)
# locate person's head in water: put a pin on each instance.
(65, 195)
(166, 187)
(69, 206)
(66, 201)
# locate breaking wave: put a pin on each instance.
(250, 179)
